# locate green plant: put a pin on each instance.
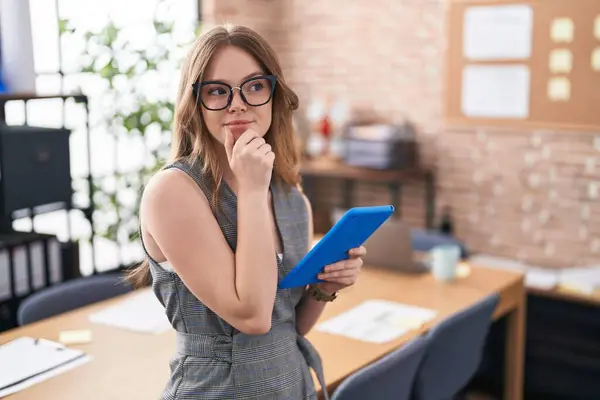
(129, 109)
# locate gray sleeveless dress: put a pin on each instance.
(213, 360)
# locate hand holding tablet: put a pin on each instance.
(351, 231)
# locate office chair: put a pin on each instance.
(70, 295)
(454, 352)
(390, 377)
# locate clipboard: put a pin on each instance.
(25, 361)
(351, 231)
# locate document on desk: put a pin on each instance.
(535, 277)
(377, 321)
(584, 280)
(140, 313)
(26, 361)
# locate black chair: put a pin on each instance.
(454, 352)
(390, 377)
(70, 295)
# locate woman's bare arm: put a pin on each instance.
(239, 288)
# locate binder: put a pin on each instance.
(25, 361)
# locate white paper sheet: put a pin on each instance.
(541, 278)
(497, 32)
(23, 358)
(535, 277)
(377, 321)
(140, 313)
(584, 279)
(496, 91)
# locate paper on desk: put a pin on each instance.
(541, 278)
(377, 321)
(140, 313)
(584, 279)
(24, 361)
(535, 277)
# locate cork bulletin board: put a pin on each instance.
(529, 63)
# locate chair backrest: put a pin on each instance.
(390, 377)
(70, 295)
(454, 351)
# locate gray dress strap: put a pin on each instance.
(213, 360)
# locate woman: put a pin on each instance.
(225, 221)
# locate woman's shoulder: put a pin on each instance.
(169, 186)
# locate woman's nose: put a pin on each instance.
(237, 103)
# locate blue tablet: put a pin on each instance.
(351, 231)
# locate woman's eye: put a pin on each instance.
(217, 91)
(256, 87)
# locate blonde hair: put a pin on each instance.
(191, 141)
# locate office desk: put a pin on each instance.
(568, 295)
(130, 366)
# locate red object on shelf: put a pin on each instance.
(325, 126)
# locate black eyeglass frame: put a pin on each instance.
(196, 89)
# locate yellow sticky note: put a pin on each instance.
(597, 27)
(559, 89)
(596, 59)
(562, 30)
(409, 322)
(75, 337)
(561, 61)
(463, 270)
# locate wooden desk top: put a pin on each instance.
(418, 290)
(128, 365)
(567, 294)
(328, 168)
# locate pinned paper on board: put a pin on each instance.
(561, 61)
(498, 32)
(596, 59)
(597, 27)
(496, 91)
(559, 89)
(562, 30)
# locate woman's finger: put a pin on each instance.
(338, 274)
(358, 251)
(345, 280)
(344, 264)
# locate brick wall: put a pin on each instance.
(518, 194)
(530, 195)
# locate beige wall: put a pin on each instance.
(518, 194)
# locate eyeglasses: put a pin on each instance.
(217, 95)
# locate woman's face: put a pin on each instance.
(233, 66)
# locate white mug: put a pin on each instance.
(443, 261)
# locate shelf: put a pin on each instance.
(4, 97)
(327, 168)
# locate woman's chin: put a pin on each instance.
(238, 129)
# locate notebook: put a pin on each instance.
(26, 361)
